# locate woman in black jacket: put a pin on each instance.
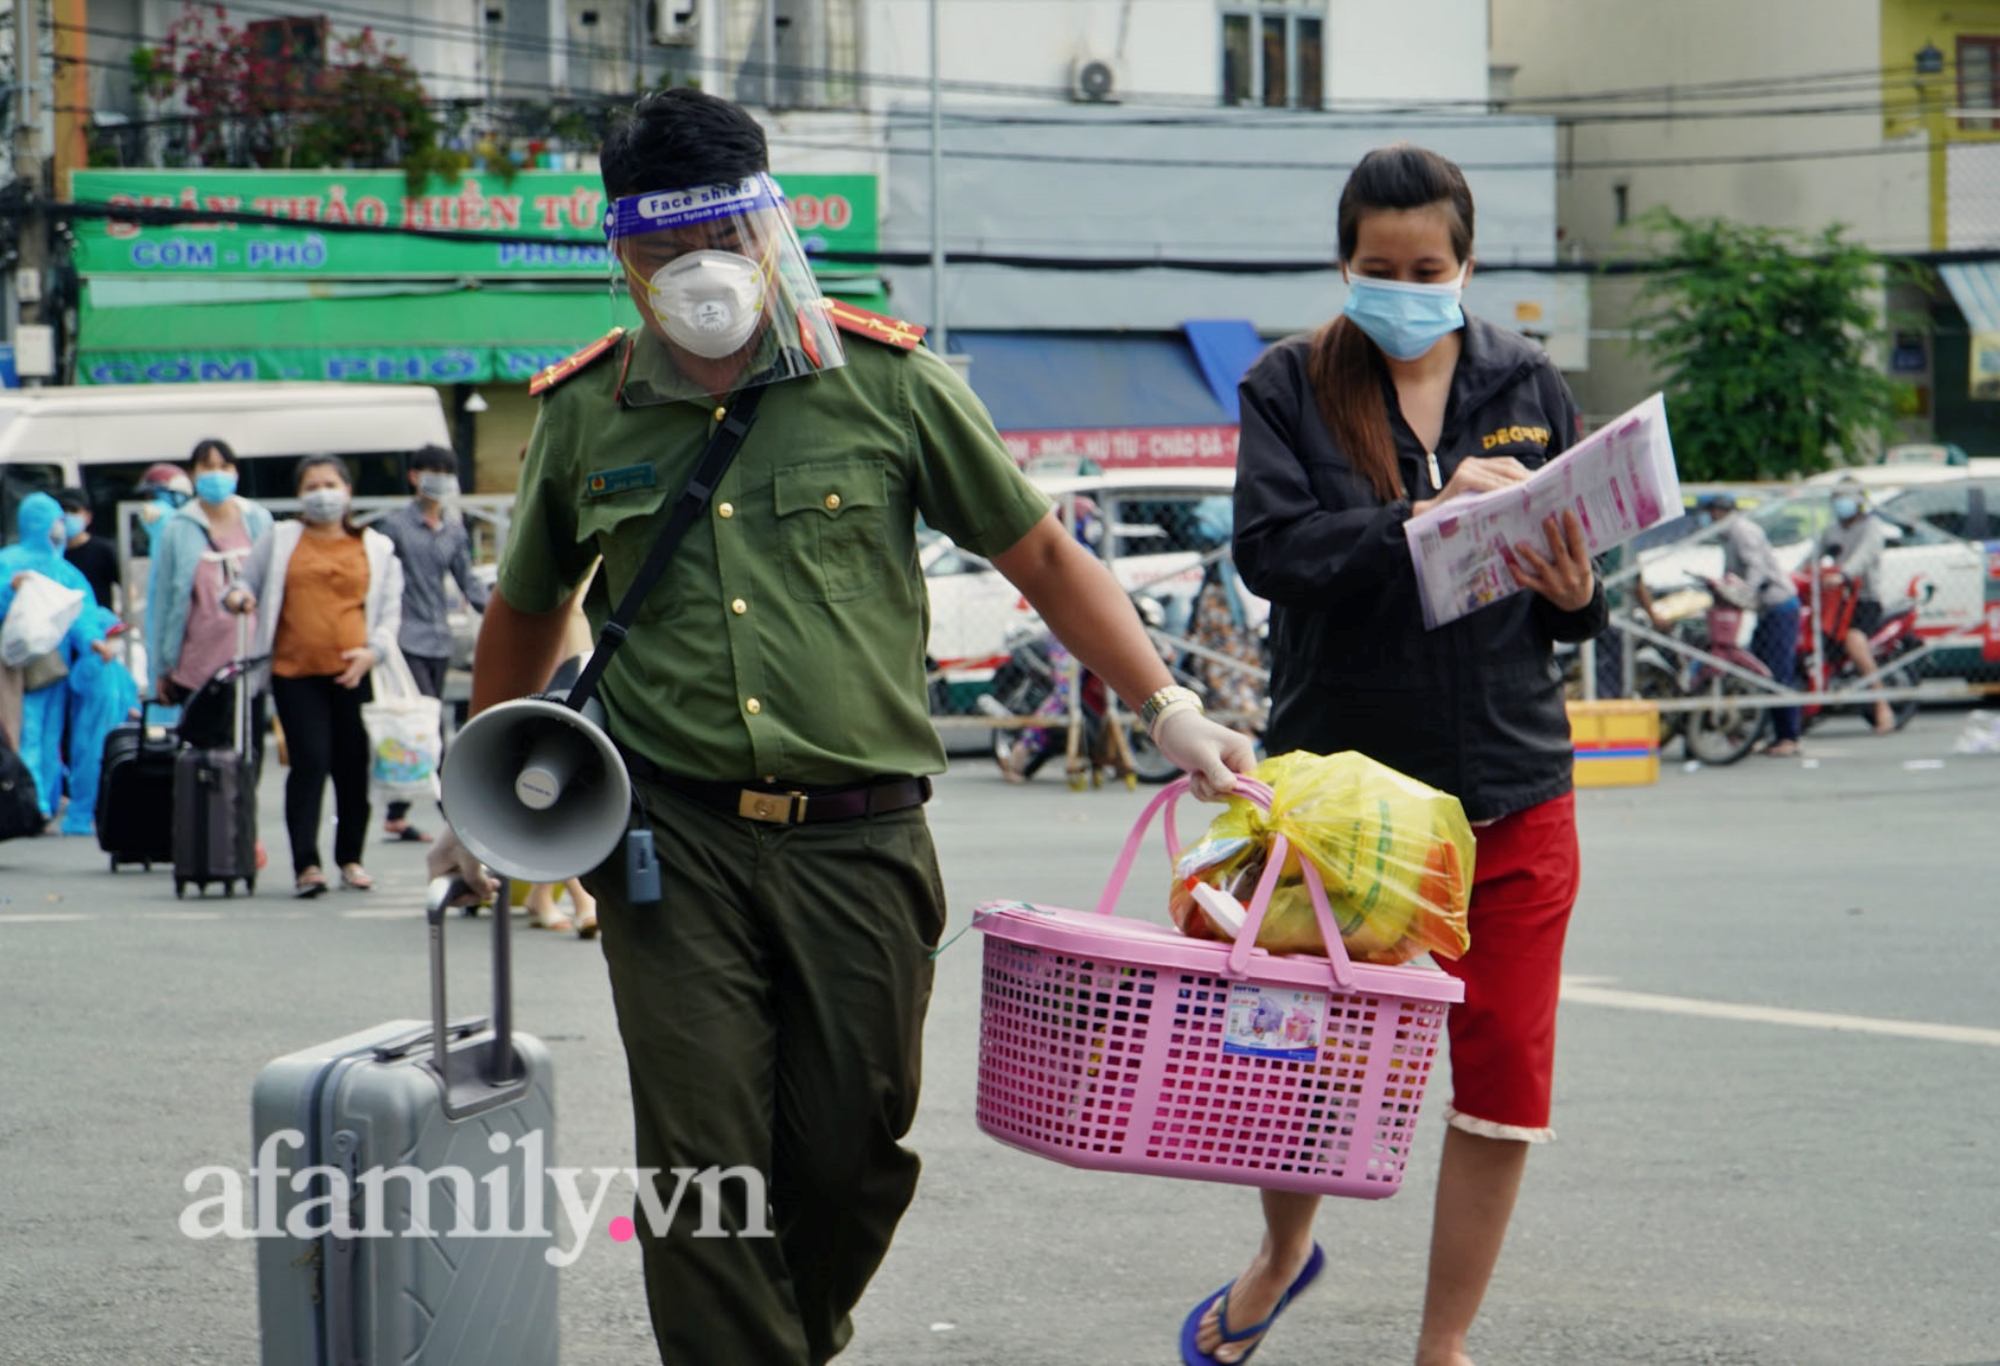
(1400, 404)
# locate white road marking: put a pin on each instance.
(180, 915)
(386, 913)
(36, 917)
(1582, 991)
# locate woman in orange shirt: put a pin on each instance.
(332, 603)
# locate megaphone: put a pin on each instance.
(536, 790)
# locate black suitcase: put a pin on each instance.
(135, 794)
(215, 796)
(20, 806)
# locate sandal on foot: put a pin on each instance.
(309, 885)
(409, 834)
(586, 928)
(552, 920)
(1192, 1355)
(354, 878)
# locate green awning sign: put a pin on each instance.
(205, 302)
(832, 213)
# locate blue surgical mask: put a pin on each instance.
(215, 486)
(1405, 320)
(72, 525)
(1845, 509)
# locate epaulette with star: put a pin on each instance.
(875, 326)
(550, 376)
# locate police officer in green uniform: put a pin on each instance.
(771, 704)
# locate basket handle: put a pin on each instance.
(1341, 966)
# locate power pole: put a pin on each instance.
(940, 335)
(34, 350)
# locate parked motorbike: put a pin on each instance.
(1034, 682)
(1726, 729)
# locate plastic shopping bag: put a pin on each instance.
(41, 615)
(405, 734)
(1396, 857)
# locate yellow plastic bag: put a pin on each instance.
(1396, 857)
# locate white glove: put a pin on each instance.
(448, 858)
(1211, 755)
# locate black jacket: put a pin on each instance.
(1475, 707)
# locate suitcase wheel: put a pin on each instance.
(228, 890)
(114, 863)
(147, 864)
(249, 886)
(180, 889)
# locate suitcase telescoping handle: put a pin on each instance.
(242, 688)
(496, 1076)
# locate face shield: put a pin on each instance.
(720, 276)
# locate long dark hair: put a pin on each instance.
(1346, 369)
(339, 467)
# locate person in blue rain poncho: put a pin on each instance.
(102, 693)
(38, 549)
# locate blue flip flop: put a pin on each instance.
(1191, 1355)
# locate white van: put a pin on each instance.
(101, 439)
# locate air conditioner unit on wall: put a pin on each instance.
(1096, 80)
(674, 21)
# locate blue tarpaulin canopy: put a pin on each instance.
(1042, 381)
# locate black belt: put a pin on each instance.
(777, 804)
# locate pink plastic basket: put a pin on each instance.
(1117, 1045)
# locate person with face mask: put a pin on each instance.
(771, 703)
(94, 557)
(1398, 405)
(38, 734)
(431, 541)
(1747, 555)
(198, 551)
(1854, 544)
(329, 603)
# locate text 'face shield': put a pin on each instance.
(719, 275)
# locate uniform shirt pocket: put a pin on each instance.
(622, 527)
(833, 518)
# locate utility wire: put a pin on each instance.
(487, 38)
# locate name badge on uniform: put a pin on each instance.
(604, 483)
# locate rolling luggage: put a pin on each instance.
(404, 1108)
(20, 807)
(215, 785)
(135, 793)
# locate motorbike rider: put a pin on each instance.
(1747, 555)
(1855, 542)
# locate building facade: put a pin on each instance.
(1082, 141)
(1795, 114)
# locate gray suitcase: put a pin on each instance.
(430, 1097)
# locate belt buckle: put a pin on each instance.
(773, 808)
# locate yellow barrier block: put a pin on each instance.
(1617, 743)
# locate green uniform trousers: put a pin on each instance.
(772, 1007)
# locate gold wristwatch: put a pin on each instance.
(1168, 699)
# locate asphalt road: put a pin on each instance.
(1757, 1163)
